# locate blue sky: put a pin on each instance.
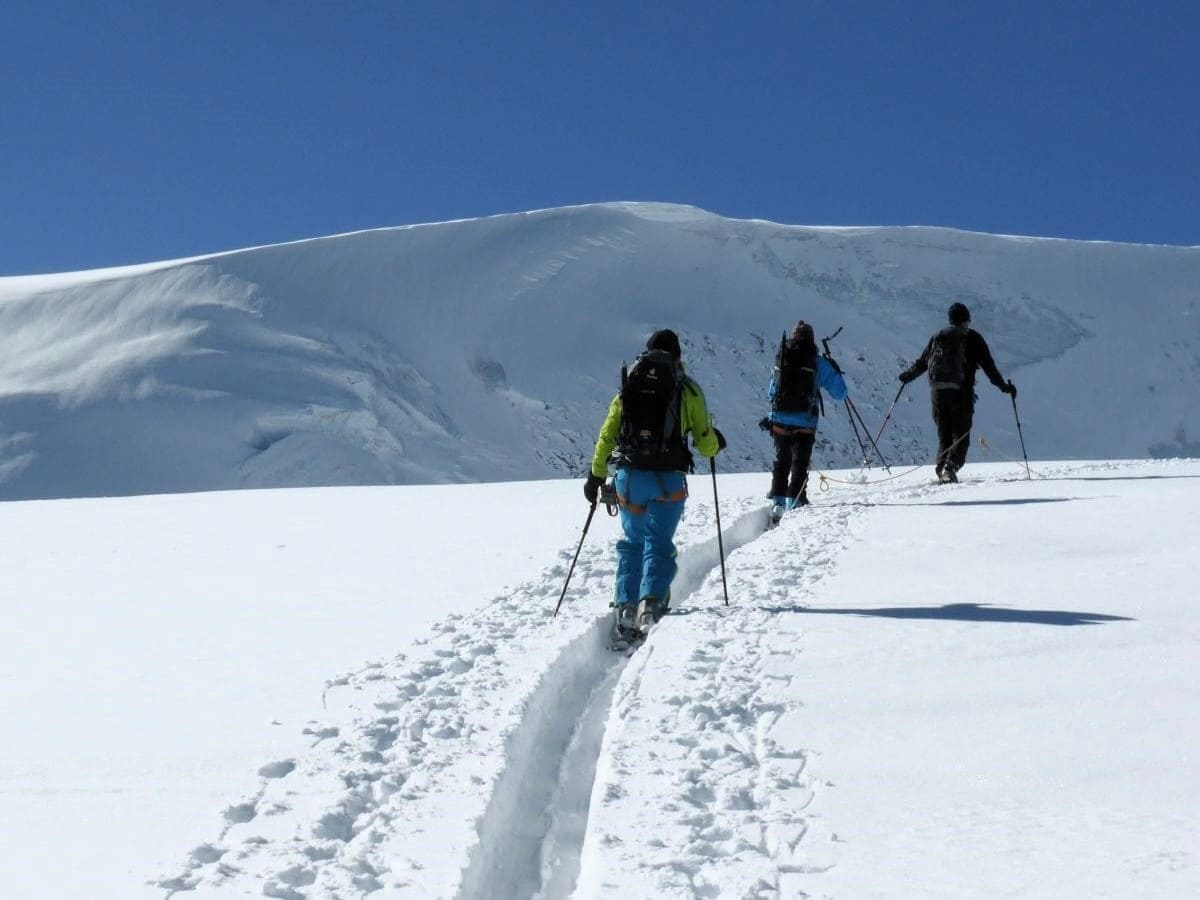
(136, 131)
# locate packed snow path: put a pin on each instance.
(420, 740)
(515, 756)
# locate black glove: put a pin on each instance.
(905, 378)
(1010, 389)
(591, 487)
(721, 444)
(765, 424)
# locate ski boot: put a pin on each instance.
(650, 610)
(625, 628)
(797, 502)
(779, 505)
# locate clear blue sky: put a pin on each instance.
(136, 131)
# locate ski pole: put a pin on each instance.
(712, 462)
(878, 452)
(891, 409)
(853, 413)
(861, 446)
(586, 526)
(828, 354)
(1013, 398)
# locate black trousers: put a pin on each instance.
(793, 453)
(953, 413)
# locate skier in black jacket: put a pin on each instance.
(951, 358)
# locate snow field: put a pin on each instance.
(490, 729)
(699, 795)
(971, 691)
(542, 755)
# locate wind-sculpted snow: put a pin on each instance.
(487, 349)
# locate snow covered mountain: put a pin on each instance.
(485, 350)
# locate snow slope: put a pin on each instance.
(485, 350)
(978, 691)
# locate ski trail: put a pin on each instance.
(702, 786)
(420, 771)
(744, 522)
(532, 834)
(410, 741)
(572, 801)
(520, 816)
(705, 785)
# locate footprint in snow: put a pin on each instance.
(278, 769)
(207, 853)
(240, 813)
(324, 733)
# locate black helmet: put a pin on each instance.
(959, 314)
(667, 340)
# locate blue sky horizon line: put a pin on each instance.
(140, 133)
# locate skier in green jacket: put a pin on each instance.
(647, 426)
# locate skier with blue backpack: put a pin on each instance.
(951, 358)
(795, 393)
(645, 433)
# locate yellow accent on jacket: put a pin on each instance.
(693, 419)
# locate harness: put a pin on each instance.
(790, 430)
(673, 497)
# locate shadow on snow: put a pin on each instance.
(1019, 501)
(965, 612)
(1111, 477)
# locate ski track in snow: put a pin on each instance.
(697, 796)
(512, 754)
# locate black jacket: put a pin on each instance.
(977, 356)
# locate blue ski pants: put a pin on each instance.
(651, 507)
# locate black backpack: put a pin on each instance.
(948, 358)
(651, 404)
(796, 379)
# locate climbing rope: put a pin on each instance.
(988, 448)
(825, 479)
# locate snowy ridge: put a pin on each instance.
(484, 350)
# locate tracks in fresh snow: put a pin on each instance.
(513, 755)
(703, 787)
(532, 835)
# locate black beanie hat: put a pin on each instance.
(959, 314)
(667, 340)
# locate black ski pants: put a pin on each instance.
(793, 453)
(953, 413)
